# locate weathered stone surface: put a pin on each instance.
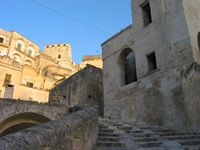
(83, 88)
(16, 112)
(158, 96)
(75, 131)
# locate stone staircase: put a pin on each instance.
(121, 136)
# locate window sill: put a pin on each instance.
(153, 71)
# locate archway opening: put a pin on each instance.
(29, 62)
(127, 64)
(16, 128)
(21, 121)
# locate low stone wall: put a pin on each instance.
(77, 131)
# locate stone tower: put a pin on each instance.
(61, 53)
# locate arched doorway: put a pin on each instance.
(21, 121)
(127, 64)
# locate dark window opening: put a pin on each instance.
(130, 69)
(19, 46)
(146, 13)
(7, 80)
(59, 56)
(1, 40)
(89, 96)
(152, 61)
(9, 85)
(29, 84)
(30, 52)
(198, 39)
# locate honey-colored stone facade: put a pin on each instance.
(27, 73)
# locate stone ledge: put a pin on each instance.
(77, 130)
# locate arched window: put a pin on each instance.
(30, 51)
(20, 45)
(198, 39)
(17, 57)
(29, 62)
(127, 65)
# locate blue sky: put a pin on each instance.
(44, 26)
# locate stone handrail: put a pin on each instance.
(77, 131)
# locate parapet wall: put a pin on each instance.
(77, 131)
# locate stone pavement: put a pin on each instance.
(122, 136)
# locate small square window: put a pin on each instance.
(29, 84)
(1, 40)
(152, 61)
(146, 10)
(59, 56)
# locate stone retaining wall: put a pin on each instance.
(77, 131)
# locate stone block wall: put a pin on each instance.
(77, 131)
(83, 88)
(191, 92)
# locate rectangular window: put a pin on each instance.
(1, 40)
(19, 46)
(59, 56)
(152, 61)
(146, 10)
(29, 84)
(7, 79)
(29, 52)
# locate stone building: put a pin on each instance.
(27, 73)
(150, 73)
(83, 88)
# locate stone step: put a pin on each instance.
(108, 138)
(108, 134)
(149, 127)
(150, 144)
(145, 139)
(186, 137)
(102, 126)
(175, 133)
(110, 144)
(141, 135)
(105, 130)
(136, 131)
(163, 130)
(195, 147)
(124, 128)
(189, 142)
(108, 148)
